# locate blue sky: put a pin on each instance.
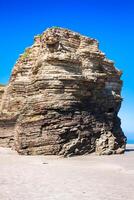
(109, 21)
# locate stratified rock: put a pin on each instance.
(63, 98)
(6, 125)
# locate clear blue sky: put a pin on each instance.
(109, 21)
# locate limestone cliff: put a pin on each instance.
(63, 98)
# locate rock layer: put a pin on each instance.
(63, 98)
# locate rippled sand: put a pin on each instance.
(53, 178)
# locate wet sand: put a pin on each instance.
(52, 178)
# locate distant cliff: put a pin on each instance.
(63, 98)
(2, 87)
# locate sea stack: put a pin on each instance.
(63, 98)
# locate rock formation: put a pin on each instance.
(63, 98)
(6, 124)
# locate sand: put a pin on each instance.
(78, 178)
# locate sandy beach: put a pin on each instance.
(53, 178)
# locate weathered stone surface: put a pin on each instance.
(63, 98)
(6, 124)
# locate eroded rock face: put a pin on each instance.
(6, 124)
(63, 98)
